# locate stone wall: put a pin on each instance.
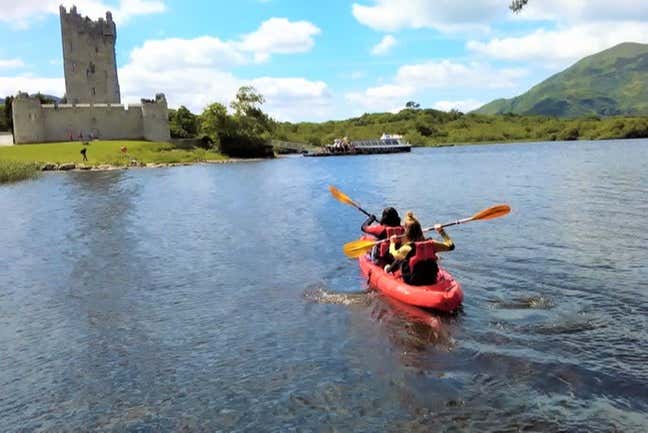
(36, 123)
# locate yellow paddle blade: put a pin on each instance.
(355, 249)
(340, 196)
(492, 212)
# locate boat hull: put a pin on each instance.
(365, 150)
(445, 295)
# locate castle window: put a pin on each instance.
(73, 67)
(93, 91)
(96, 49)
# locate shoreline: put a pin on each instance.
(72, 166)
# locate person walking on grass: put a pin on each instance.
(83, 152)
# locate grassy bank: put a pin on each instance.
(14, 171)
(106, 153)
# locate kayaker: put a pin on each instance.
(389, 224)
(416, 257)
(389, 218)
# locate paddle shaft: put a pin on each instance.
(361, 210)
(429, 229)
(454, 223)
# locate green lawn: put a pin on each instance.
(106, 152)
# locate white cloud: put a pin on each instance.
(204, 51)
(295, 98)
(291, 98)
(279, 35)
(30, 84)
(442, 15)
(384, 46)
(11, 63)
(440, 76)
(381, 98)
(196, 72)
(20, 14)
(563, 45)
(276, 35)
(464, 105)
(448, 74)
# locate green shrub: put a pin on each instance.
(245, 146)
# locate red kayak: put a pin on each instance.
(444, 295)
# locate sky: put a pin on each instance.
(321, 60)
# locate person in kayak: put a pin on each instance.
(416, 258)
(389, 225)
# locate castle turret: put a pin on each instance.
(28, 122)
(89, 58)
(155, 118)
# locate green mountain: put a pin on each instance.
(612, 82)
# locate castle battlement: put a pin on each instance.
(101, 28)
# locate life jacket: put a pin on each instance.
(420, 268)
(383, 247)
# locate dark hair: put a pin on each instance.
(390, 217)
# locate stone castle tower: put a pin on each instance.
(89, 58)
(93, 108)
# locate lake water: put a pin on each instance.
(217, 298)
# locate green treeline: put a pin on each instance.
(421, 127)
(428, 127)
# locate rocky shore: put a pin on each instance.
(73, 166)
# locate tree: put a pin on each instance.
(183, 123)
(252, 121)
(214, 120)
(44, 99)
(517, 5)
(413, 105)
(8, 113)
(245, 133)
(425, 129)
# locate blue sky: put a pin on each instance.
(323, 59)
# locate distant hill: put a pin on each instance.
(56, 99)
(48, 97)
(612, 82)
